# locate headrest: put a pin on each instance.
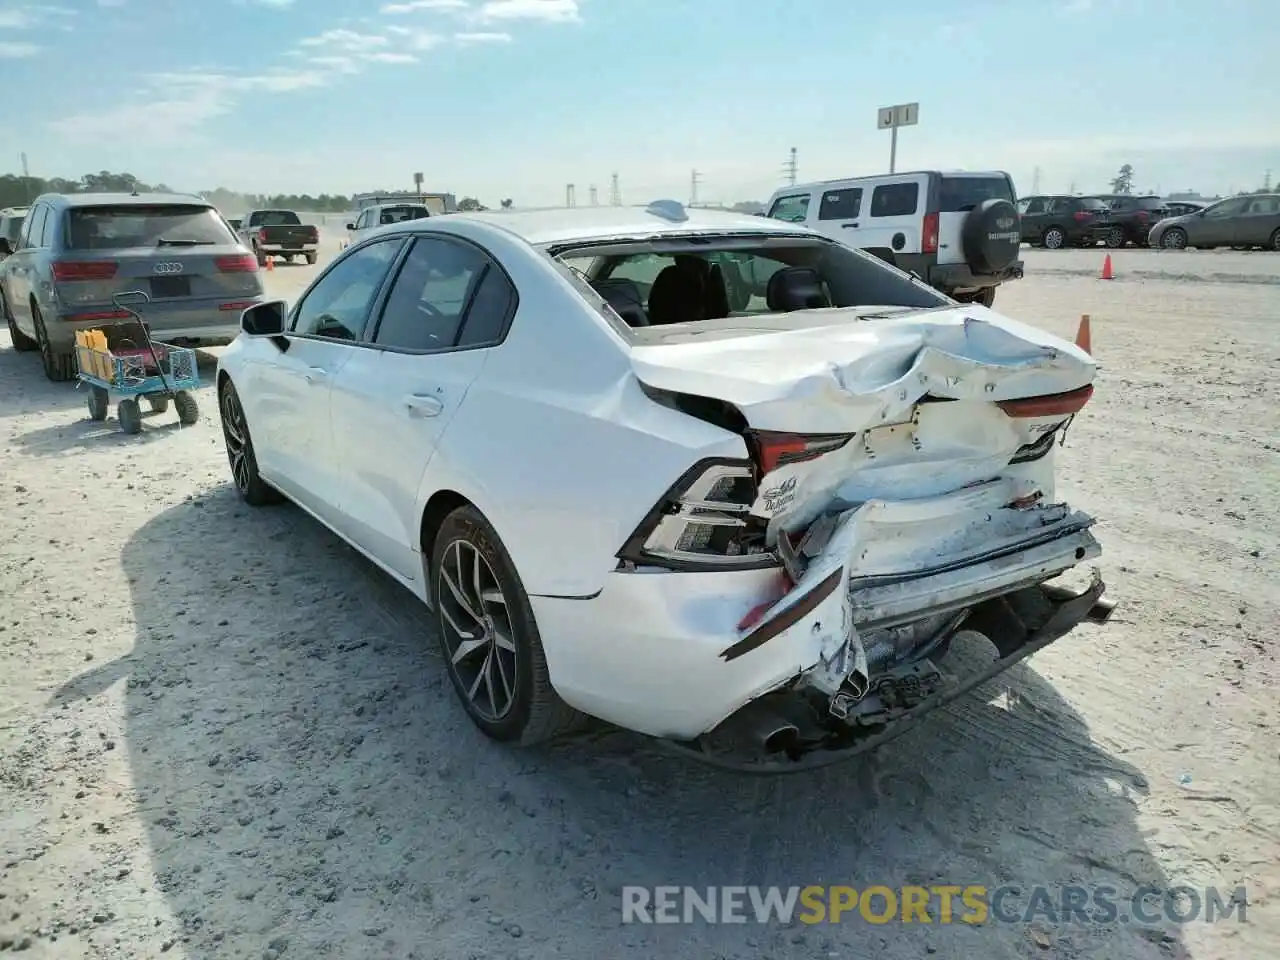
(795, 288)
(624, 297)
(677, 296)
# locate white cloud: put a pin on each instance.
(385, 56)
(418, 39)
(348, 40)
(27, 16)
(411, 5)
(13, 50)
(469, 39)
(552, 11)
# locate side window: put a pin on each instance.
(840, 204)
(1038, 205)
(894, 199)
(1229, 208)
(793, 209)
(490, 309)
(338, 305)
(1024, 206)
(33, 235)
(425, 308)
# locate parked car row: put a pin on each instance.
(1055, 221)
(73, 252)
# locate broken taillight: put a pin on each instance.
(703, 523)
(1049, 405)
(773, 450)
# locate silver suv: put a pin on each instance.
(76, 251)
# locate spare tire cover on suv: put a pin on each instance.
(991, 236)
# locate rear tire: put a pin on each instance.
(1115, 238)
(97, 403)
(1055, 238)
(262, 257)
(1175, 238)
(158, 404)
(1275, 241)
(488, 636)
(58, 367)
(130, 415)
(311, 259)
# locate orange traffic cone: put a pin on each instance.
(1107, 273)
(1084, 337)
(271, 264)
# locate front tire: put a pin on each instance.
(1275, 241)
(130, 415)
(488, 636)
(1055, 238)
(252, 488)
(1115, 238)
(21, 342)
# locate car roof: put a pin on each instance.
(574, 224)
(813, 184)
(80, 200)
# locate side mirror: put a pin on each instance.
(6, 248)
(265, 319)
(351, 226)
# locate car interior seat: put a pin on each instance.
(796, 288)
(677, 295)
(624, 297)
(717, 294)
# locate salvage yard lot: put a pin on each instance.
(222, 733)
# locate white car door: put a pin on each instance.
(288, 394)
(447, 306)
(893, 216)
(840, 215)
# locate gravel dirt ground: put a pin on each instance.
(224, 734)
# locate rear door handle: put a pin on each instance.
(423, 405)
(315, 375)
(849, 226)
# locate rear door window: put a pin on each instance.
(792, 209)
(426, 306)
(840, 204)
(117, 227)
(962, 194)
(895, 199)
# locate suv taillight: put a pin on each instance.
(1082, 214)
(703, 523)
(237, 263)
(1143, 215)
(65, 270)
(262, 235)
(929, 239)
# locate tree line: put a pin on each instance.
(19, 191)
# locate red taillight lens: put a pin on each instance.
(929, 240)
(262, 235)
(1143, 215)
(313, 234)
(96, 315)
(1082, 214)
(238, 263)
(67, 270)
(773, 450)
(1051, 405)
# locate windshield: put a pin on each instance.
(114, 227)
(644, 285)
(400, 214)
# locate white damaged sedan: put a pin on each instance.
(714, 478)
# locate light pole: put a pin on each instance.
(891, 118)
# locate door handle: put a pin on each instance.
(423, 405)
(315, 375)
(849, 226)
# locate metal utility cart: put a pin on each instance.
(122, 358)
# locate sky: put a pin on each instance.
(517, 98)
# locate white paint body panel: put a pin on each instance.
(553, 437)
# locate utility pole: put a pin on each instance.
(1073, 187)
(1035, 181)
(790, 167)
(694, 179)
(569, 199)
(615, 193)
(1266, 182)
(26, 179)
(891, 118)
(591, 192)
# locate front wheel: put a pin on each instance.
(97, 401)
(1054, 238)
(1275, 241)
(187, 409)
(488, 636)
(21, 342)
(130, 415)
(252, 488)
(1175, 238)
(1115, 238)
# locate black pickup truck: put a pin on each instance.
(279, 234)
(1129, 219)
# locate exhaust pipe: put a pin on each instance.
(778, 736)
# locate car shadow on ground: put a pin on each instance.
(30, 392)
(307, 779)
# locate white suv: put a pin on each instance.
(957, 231)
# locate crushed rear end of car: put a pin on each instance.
(793, 607)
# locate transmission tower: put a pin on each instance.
(1035, 181)
(790, 167)
(569, 199)
(615, 193)
(694, 179)
(594, 197)
(1266, 182)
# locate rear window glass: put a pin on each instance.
(962, 194)
(111, 228)
(895, 199)
(276, 218)
(400, 214)
(1093, 203)
(1150, 203)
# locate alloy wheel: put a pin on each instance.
(479, 638)
(237, 439)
